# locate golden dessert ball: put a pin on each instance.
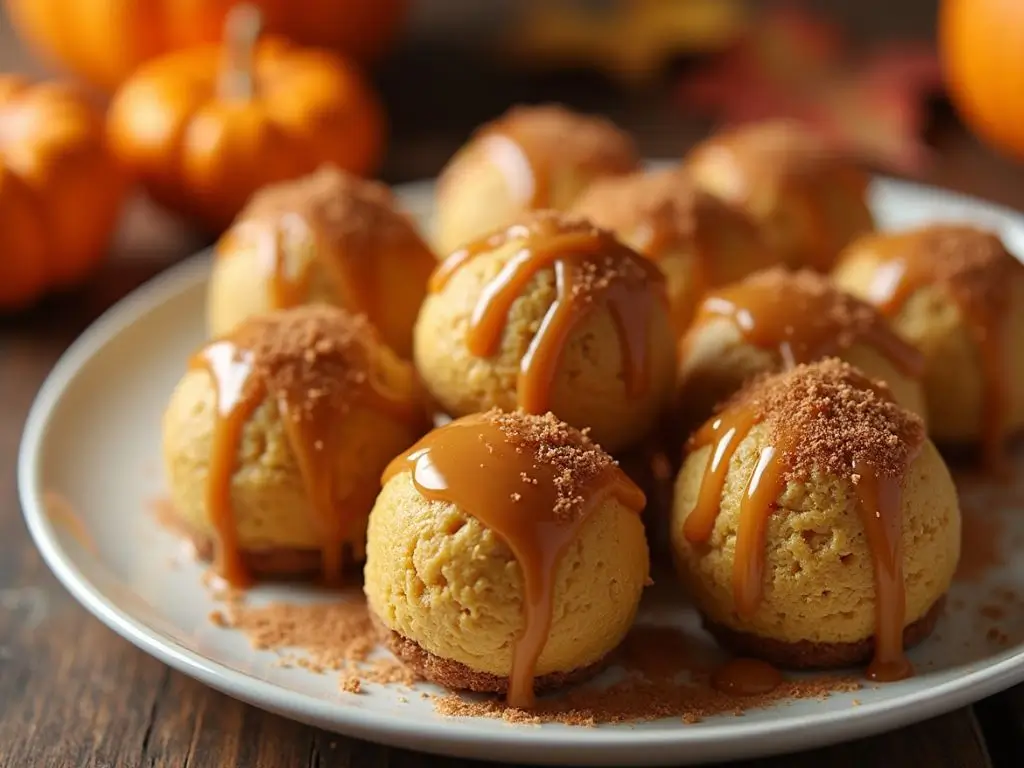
(589, 384)
(320, 362)
(818, 593)
(697, 240)
(531, 157)
(956, 294)
(449, 591)
(717, 356)
(809, 200)
(329, 237)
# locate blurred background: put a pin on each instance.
(867, 74)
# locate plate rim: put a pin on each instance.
(605, 745)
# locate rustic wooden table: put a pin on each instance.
(74, 694)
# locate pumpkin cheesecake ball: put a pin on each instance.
(505, 553)
(815, 524)
(955, 293)
(532, 157)
(809, 200)
(275, 439)
(328, 237)
(697, 240)
(776, 319)
(550, 314)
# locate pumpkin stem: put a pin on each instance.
(242, 29)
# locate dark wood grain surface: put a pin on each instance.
(72, 693)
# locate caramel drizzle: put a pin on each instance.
(311, 426)
(746, 677)
(546, 243)
(904, 268)
(472, 464)
(353, 277)
(879, 505)
(801, 326)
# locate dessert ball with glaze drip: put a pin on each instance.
(331, 238)
(530, 158)
(554, 314)
(505, 553)
(784, 513)
(697, 240)
(275, 439)
(955, 293)
(775, 319)
(809, 200)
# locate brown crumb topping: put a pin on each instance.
(665, 201)
(836, 417)
(551, 133)
(847, 317)
(781, 149)
(575, 459)
(355, 216)
(974, 263)
(323, 354)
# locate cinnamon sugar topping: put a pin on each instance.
(843, 418)
(574, 459)
(665, 201)
(551, 131)
(802, 317)
(353, 214)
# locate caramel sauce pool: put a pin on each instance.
(879, 502)
(471, 463)
(574, 254)
(311, 427)
(803, 325)
(746, 677)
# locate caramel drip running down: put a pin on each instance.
(474, 464)
(292, 244)
(311, 423)
(289, 278)
(591, 270)
(746, 677)
(803, 320)
(229, 370)
(907, 263)
(879, 502)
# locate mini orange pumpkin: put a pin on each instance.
(60, 190)
(205, 128)
(981, 43)
(105, 41)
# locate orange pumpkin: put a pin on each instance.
(204, 129)
(981, 43)
(105, 41)
(60, 190)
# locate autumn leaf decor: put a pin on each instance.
(793, 65)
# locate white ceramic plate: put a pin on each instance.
(93, 436)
